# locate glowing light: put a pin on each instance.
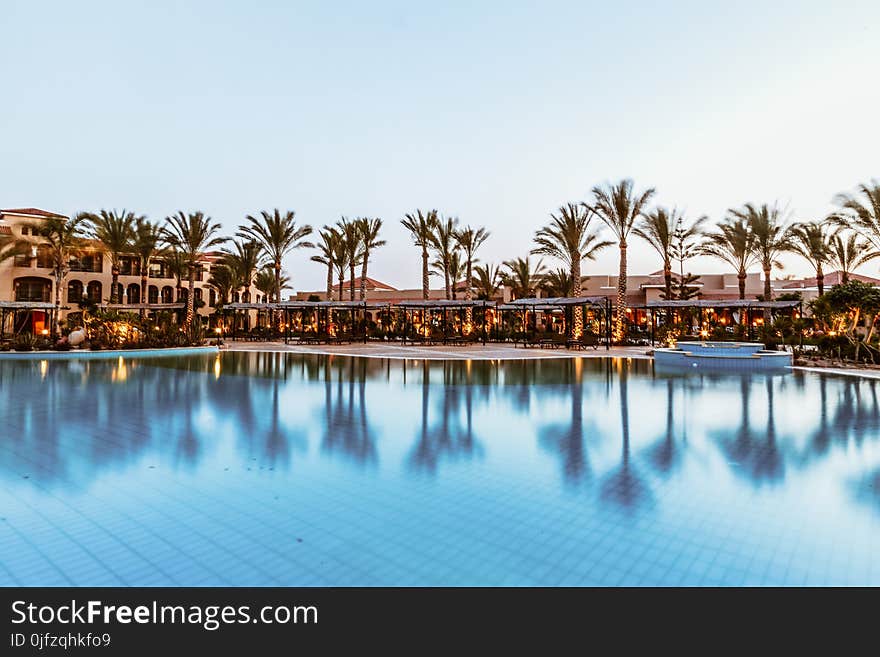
(45, 331)
(217, 367)
(44, 368)
(704, 333)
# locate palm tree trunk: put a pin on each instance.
(844, 276)
(364, 275)
(144, 281)
(191, 280)
(114, 280)
(59, 280)
(820, 279)
(329, 281)
(741, 279)
(469, 312)
(577, 318)
(425, 281)
(446, 278)
(768, 295)
(620, 315)
(341, 282)
(351, 279)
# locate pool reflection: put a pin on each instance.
(576, 448)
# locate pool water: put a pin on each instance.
(283, 469)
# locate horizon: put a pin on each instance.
(495, 119)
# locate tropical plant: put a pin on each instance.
(469, 240)
(223, 281)
(146, 244)
(734, 243)
(619, 207)
(327, 245)
(486, 281)
(770, 239)
(558, 283)
(811, 241)
(444, 243)
(657, 228)
(350, 234)
(191, 235)
(861, 215)
(521, 277)
(568, 238)
(340, 259)
(277, 234)
(849, 254)
(369, 230)
(115, 232)
(421, 227)
(244, 260)
(11, 247)
(61, 236)
(457, 273)
(176, 265)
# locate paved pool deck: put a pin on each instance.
(490, 351)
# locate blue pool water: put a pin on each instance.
(282, 469)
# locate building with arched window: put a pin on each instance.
(29, 276)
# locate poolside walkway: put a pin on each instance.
(491, 351)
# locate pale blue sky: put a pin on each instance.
(496, 112)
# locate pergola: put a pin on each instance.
(443, 305)
(743, 305)
(565, 304)
(10, 308)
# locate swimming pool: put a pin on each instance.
(283, 469)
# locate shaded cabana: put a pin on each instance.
(23, 315)
(421, 322)
(704, 307)
(329, 320)
(600, 306)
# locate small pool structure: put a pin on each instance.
(722, 356)
(259, 469)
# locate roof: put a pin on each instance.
(444, 303)
(728, 303)
(831, 279)
(371, 284)
(557, 301)
(33, 212)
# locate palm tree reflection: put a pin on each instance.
(567, 439)
(625, 487)
(346, 429)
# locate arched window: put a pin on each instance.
(134, 293)
(152, 294)
(235, 297)
(167, 294)
(182, 295)
(94, 291)
(197, 294)
(212, 298)
(74, 291)
(31, 288)
(246, 297)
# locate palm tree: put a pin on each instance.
(223, 280)
(657, 228)
(486, 281)
(350, 234)
(146, 244)
(469, 240)
(421, 227)
(244, 261)
(771, 239)
(115, 231)
(340, 259)
(176, 265)
(558, 283)
(369, 229)
(811, 241)
(327, 244)
(457, 273)
(277, 234)
(191, 235)
(265, 282)
(862, 216)
(521, 278)
(733, 243)
(849, 254)
(61, 236)
(11, 247)
(619, 207)
(443, 241)
(568, 238)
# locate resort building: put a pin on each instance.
(28, 277)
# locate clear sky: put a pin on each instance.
(495, 112)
